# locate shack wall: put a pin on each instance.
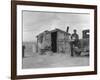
(46, 41)
(63, 45)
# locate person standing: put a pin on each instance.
(74, 41)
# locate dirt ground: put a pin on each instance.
(54, 60)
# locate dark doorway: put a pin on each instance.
(54, 41)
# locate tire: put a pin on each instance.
(78, 53)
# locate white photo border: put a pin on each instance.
(21, 71)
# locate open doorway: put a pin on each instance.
(54, 41)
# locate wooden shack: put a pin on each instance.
(55, 40)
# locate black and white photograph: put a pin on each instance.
(55, 39)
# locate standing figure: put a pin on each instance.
(74, 41)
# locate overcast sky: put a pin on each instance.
(37, 22)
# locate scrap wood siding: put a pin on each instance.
(55, 40)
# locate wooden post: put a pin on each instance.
(23, 51)
(37, 43)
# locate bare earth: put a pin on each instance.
(54, 60)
